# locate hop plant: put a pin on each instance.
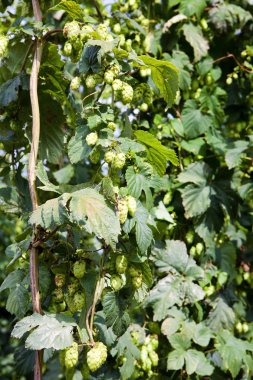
(75, 83)
(60, 280)
(132, 205)
(92, 138)
(116, 282)
(137, 282)
(71, 30)
(102, 30)
(86, 32)
(108, 77)
(123, 210)
(119, 161)
(79, 300)
(67, 49)
(79, 269)
(127, 93)
(3, 45)
(97, 356)
(109, 156)
(71, 356)
(90, 81)
(121, 264)
(73, 286)
(117, 85)
(111, 125)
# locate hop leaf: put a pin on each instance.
(97, 356)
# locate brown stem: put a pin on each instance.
(229, 55)
(50, 32)
(34, 268)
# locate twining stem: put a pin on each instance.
(34, 267)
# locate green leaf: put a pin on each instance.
(161, 213)
(125, 348)
(233, 156)
(52, 134)
(192, 7)
(9, 91)
(144, 234)
(71, 7)
(18, 301)
(221, 317)
(51, 213)
(137, 182)
(49, 331)
(115, 310)
(43, 177)
(175, 360)
(179, 341)
(196, 362)
(78, 150)
(194, 36)
(12, 280)
(88, 207)
(194, 121)
(165, 77)
(196, 173)
(64, 175)
(157, 154)
(224, 15)
(196, 200)
(170, 326)
(202, 335)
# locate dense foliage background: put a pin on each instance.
(144, 179)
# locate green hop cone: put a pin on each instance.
(71, 356)
(90, 81)
(79, 300)
(86, 32)
(75, 83)
(58, 294)
(154, 358)
(134, 272)
(3, 45)
(92, 138)
(116, 28)
(132, 205)
(111, 125)
(71, 30)
(67, 50)
(137, 282)
(116, 282)
(102, 30)
(119, 161)
(123, 210)
(60, 280)
(121, 264)
(108, 77)
(127, 93)
(79, 269)
(97, 356)
(73, 286)
(143, 107)
(115, 68)
(109, 156)
(117, 85)
(189, 237)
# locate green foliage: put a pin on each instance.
(144, 184)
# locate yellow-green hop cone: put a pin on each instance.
(79, 300)
(123, 210)
(71, 356)
(67, 50)
(121, 264)
(75, 83)
(154, 358)
(60, 280)
(116, 282)
(109, 156)
(97, 356)
(90, 81)
(119, 161)
(132, 205)
(127, 93)
(137, 282)
(92, 138)
(3, 45)
(108, 76)
(79, 269)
